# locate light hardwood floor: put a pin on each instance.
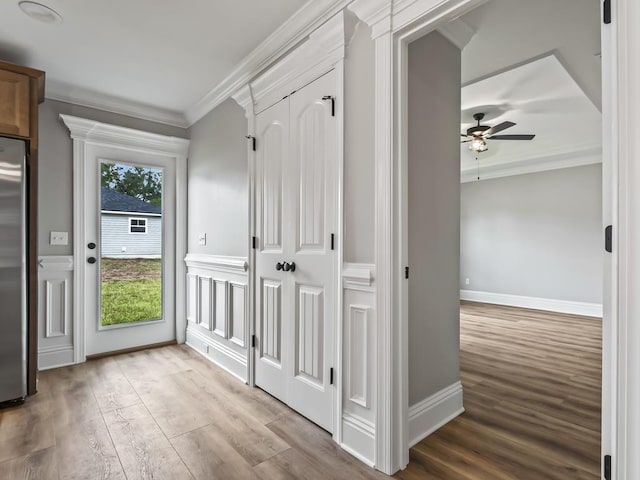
(164, 413)
(532, 398)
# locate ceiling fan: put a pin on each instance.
(478, 135)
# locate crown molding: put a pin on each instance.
(244, 97)
(324, 48)
(297, 28)
(576, 157)
(376, 14)
(96, 132)
(63, 92)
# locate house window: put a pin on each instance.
(137, 225)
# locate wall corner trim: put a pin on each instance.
(428, 415)
(547, 304)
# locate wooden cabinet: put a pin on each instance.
(14, 104)
(21, 90)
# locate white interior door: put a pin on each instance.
(296, 215)
(129, 225)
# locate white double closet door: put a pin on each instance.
(297, 165)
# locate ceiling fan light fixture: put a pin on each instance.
(478, 145)
(40, 12)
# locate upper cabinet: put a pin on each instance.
(21, 89)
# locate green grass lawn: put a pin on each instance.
(131, 291)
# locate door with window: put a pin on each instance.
(297, 168)
(129, 227)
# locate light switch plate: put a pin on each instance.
(59, 238)
(202, 239)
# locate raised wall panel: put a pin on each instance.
(271, 178)
(205, 302)
(192, 297)
(311, 156)
(221, 304)
(56, 307)
(237, 314)
(310, 333)
(358, 355)
(270, 320)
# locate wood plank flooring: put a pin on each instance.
(532, 399)
(164, 413)
(532, 383)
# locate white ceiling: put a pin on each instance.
(534, 63)
(160, 54)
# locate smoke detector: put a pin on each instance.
(40, 12)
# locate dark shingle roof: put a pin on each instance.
(121, 202)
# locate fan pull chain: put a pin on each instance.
(478, 166)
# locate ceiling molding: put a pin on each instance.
(457, 32)
(551, 161)
(86, 98)
(297, 28)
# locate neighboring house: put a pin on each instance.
(131, 228)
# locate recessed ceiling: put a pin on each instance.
(541, 98)
(534, 63)
(160, 54)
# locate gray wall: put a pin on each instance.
(434, 216)
(55, 189)
(218, 196)
(359, 162)
(536, 235)
(115, 236)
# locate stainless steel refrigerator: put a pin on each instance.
(13, 271)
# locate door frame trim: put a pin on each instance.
(394, 24)
(90, 132)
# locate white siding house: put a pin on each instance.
(131, 228)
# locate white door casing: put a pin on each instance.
(95, 140)
(297, 170)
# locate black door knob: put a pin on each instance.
(280, 266)
(91, 246)
(91, 260)
(289, 266)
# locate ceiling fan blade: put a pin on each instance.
(511, 137)
(498, 128)
(466, 141)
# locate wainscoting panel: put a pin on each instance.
(55, 296)
(358, 382)
(218, 310)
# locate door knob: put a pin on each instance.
(91, 260)
(280, 266)
(289, 266)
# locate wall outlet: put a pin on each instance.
(202, 239)
(467, 281)
(59, 238)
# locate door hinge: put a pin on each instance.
(607, 467)
(608, 238)
(331, 376)
(606, 12)
(253, 341)
(333, 104)
(333, 241)
(253, 142)
(406, 273)
(254, 242)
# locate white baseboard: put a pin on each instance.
(359, 438)
(535, 303)
(55, 357)
(225, 358)
(430, 414)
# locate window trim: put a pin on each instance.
(137, 219)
